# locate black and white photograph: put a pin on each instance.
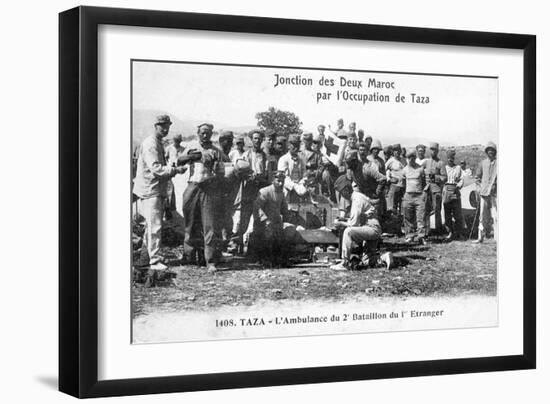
(286, 201)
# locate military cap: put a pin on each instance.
(279, 174)
(411, 153)
(388, 149)
(226, 134)
(307, 136)
(351, 134)
(163, 119)
(376, 144)
(491, 145)
(340, 120)
(361, 144)
(396, 146)
(321, 126)
(351, 156)
(368, 137)
(434, 145)
(208, 125)
(420, 146)
(451, 153)
(239, 138)
(178, 138)
(294, 139)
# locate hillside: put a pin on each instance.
(142, 126)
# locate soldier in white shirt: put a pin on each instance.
(150, 185)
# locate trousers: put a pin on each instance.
(453, 210)
(357, 235)
(488, 211)
(433, 203)
(202, 220)
(272, 242)
(152, 210)
(414, 204)
(394, 198)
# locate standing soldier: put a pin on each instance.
(271, 155)
(227, 188)
(150, 186)
(292, 164)
(394, 174)
(226, 144)
(201, 199)
(374, 156)
(436, 176)
(249, 188)
(375, 159)
(452, 204)
(239, 153)
(326, 171)
(414, 199)
(486, 177)
(173, 151)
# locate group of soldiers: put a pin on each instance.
(233, 182)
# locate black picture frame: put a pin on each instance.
(78, 200)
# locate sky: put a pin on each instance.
(459, 111)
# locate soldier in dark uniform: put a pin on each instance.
(201, 199)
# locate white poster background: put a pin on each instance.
(120, 359)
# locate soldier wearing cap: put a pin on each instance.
(249, 188)
(436, 176)
(394, 174)
(292, 164)
(414, 200)
(150, 185)
(272, 235)
(486, 178)
(452, 205)
(271, 154)
(374, 156)
(202, 199)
